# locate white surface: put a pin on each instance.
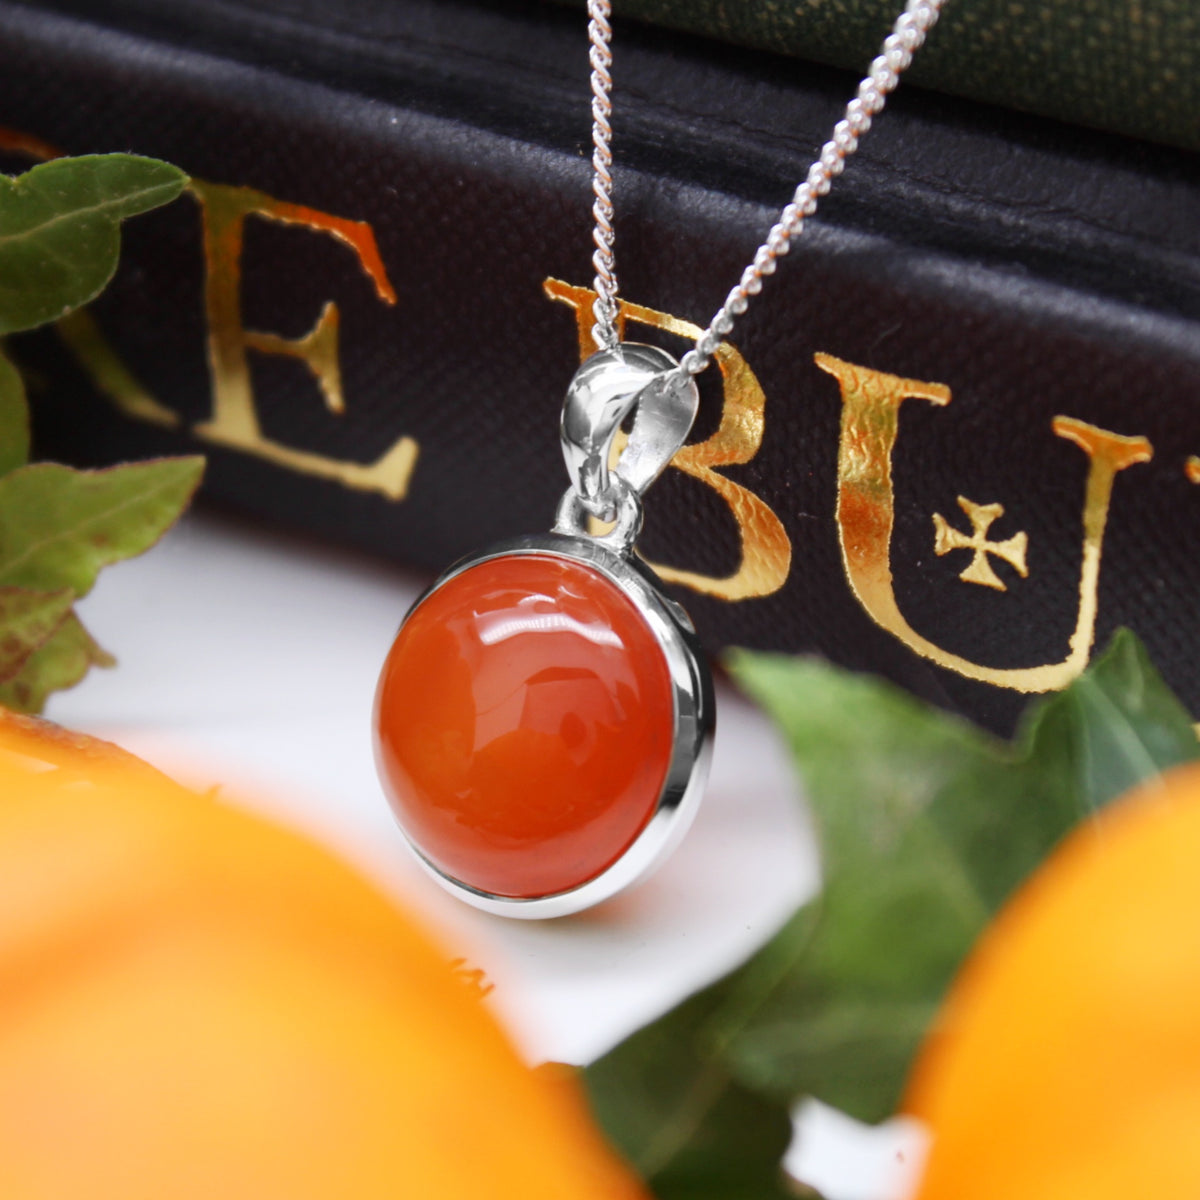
(249, 660)
(847, 1160)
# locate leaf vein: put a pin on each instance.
(76, 531)
(100, 209)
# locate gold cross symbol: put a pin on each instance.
(979, 569)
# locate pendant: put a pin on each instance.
(544, 719)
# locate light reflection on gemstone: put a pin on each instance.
(524, 725)
(499, 629)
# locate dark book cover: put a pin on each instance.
(951, 443)
(1110, 64)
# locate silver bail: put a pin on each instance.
(606, 388)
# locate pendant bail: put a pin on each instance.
(629, 377)
(572, 518)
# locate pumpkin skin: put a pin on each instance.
(1066, 1061)
(197, 1003)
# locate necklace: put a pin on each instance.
(544, 719)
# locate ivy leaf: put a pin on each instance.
(60, 662)
(14, 418)
(27, 621)
(687, 1128)
(926, 825)
(60, 230)
(60, 526)
(1117, 725)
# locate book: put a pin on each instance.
(954, 442)
(1128, 68)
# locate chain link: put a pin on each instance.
(603, 259)
(907, 36)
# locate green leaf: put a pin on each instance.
(1117, 724)
(59, 526)
(60, 662)
(60, 230)
(926, 826)
(27, 620)
(688, 1129)
(14, 418)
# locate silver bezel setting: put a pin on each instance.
(693, 716)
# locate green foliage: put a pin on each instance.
(14, 418)
(28, 619)
(689, 1129)
(926, 826)
(60, 230)
(61, 661)
(59, 243)
(59, 527)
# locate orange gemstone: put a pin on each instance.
(524, 725)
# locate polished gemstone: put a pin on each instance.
(524, 725)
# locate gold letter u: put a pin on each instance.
(871, 403)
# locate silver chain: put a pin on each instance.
(897, 52)
(603, 259)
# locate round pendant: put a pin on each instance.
(543, 722)
(543, 725)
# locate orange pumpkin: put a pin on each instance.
(1066, 1065)
(195, 1003)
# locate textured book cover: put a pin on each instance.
(1110, 64)
(955, 441)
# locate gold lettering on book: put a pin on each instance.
(17, 141)
(871, 403)
(766, 549)
(234, 420)
(109, 374)
(979, 569)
